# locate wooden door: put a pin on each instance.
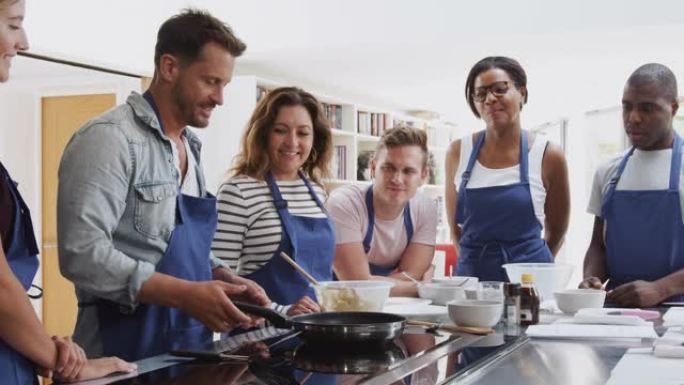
(61, 117)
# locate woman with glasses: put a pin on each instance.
(504, 184)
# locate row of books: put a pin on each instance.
(407, 123)
(339, 163)
(372, 123)
(333, 113)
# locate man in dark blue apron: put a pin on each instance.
(387, 230)
(638, 236)
(135, 220)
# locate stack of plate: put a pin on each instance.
(416, 309)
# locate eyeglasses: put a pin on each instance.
(498, 89)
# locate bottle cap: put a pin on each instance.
(528, 278)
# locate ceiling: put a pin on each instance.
(395, 53)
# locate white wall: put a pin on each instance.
(221, 139)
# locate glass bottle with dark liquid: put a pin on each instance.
(529, 301)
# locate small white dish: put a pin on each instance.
(395, 301)
(429, 313)
(470, 312)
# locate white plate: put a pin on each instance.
(458, 281)
(397, 301)
(431, 313)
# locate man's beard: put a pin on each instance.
(186, 108)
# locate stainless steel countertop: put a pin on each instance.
(549, 362)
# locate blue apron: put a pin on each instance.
(644, 229)
(152, 329)
(22, 257)
(498, 223)
(309, 241)
(408, 225)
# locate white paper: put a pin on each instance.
(674, 317)
(640, 369)
(610, 319)
(571, 330)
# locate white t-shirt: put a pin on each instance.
(482, 176)
(645, 170)
(347, 209)
(189, 185)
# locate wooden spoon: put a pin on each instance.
(452, 328)
(347, 292)
(301, 271)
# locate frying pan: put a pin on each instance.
(334, 326)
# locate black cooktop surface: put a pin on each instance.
(291, 361)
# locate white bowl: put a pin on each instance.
(440, 293)
(457, 281)
(472, 312)
(353, 295)
(548, 277)
(571, 300)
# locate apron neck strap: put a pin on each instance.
(676, 163)
(473, 157)
(278, 201)
(281, 206)
(371, 220)
(621, 167)
(312, 192)
(408, 224)
(523, 158)
(524, 150)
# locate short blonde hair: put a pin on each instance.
(404, 136)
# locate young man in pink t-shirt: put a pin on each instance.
(387, 230)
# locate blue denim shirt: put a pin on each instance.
(116, 208)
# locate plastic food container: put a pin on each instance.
(353, 295)
(548, 277)
(440, 293)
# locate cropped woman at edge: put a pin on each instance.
(25, 346)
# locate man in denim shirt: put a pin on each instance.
(135, 221)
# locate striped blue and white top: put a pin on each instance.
(249, 228)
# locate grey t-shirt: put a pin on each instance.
(645, 170)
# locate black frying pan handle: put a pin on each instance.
(272, 316)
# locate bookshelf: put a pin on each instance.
(356, 131)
